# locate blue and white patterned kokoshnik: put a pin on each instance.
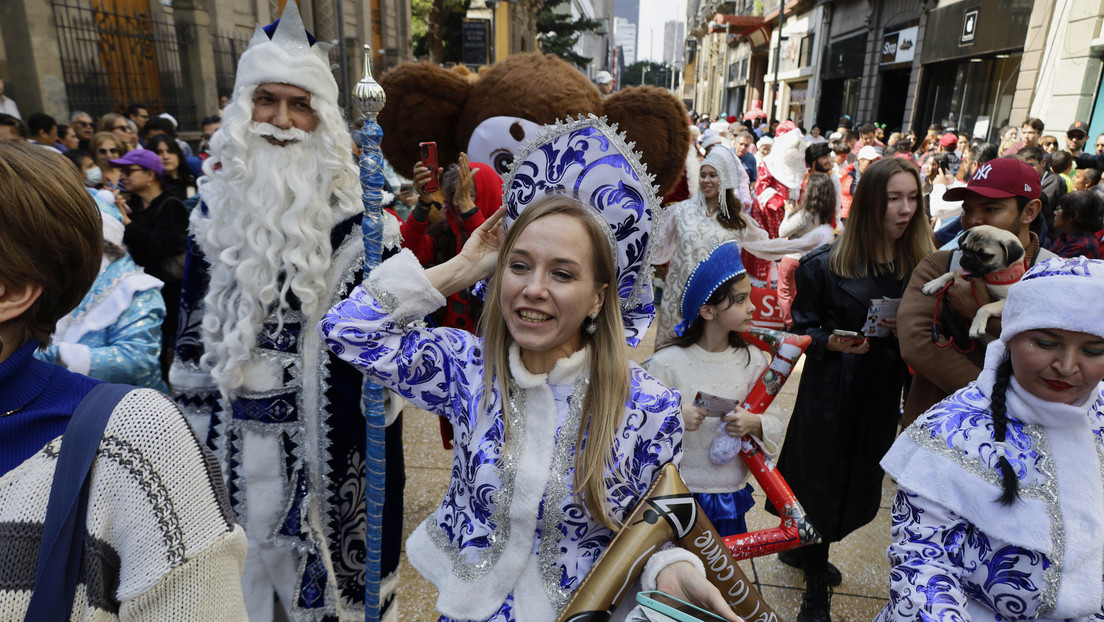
(588, 160)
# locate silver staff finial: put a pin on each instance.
(368, 96)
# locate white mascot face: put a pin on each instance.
(496, 140)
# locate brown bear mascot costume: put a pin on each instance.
(490, 114)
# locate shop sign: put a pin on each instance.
(969, 27)
(899, 46)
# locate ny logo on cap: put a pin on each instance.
(983, 171)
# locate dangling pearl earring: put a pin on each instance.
(592, 325)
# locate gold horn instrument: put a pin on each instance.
(667, 512)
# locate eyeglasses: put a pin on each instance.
(131, 171)
(125, 128)
(83, 123)
(103, 151)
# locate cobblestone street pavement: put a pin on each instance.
(860, 557)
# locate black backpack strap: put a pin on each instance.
(59, 555)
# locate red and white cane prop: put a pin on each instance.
(795, 529)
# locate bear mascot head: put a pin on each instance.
(490, 115)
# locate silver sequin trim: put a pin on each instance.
(557, 493)
(500, 518)
(1045, 491)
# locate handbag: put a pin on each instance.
(59, 555)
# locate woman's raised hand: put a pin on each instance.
(683, 581)
(481, 249)
(475, 262)
(464, 198)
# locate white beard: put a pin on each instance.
(271, 211)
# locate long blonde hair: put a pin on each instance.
(856, 254)
(604, 403)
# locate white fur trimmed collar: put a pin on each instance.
(947, 457)
(564, 372)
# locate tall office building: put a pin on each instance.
(674, 33)
(624, 37)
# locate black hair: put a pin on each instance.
(20, 128)
(819, 198)
(1036, 124)
(1060, 161)
(866, 128)
(159, 123)
(1084, 208)
(903, 145)
(983, 152)
(851, 135)
(998, 409)
(40, 122)
(721, 297)
(75, 156)
(839, 147)
(209, 120)
(1092, 176)
(134, 108)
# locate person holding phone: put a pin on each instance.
(849, 398)
(457, 217)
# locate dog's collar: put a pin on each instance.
(1008, 276)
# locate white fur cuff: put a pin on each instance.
(663, 558)
(401, 288)
(77, 357)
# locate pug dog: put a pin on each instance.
(994, 255)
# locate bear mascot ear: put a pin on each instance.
(424, 103)
(656, 121)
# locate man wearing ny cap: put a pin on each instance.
(156, 234)
(1002, 193)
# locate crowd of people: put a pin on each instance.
(230, 276)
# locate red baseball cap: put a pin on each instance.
(948, 139)
(999, 178)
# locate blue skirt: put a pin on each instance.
(726, 510)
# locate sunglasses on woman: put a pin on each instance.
(125, 128)
(103, 151)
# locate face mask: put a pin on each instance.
(93, 175)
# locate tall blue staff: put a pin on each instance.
(368, 97)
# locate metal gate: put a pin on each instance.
(115, 53)
(229, 47)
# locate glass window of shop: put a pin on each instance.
(971, 94)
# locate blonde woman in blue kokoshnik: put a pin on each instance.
(558, 435)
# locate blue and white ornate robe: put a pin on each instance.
(510, 540)
(290, 443)
(957, 553)
(114, 334)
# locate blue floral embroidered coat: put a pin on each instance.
(487, 546)
(957, 553)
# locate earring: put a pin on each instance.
(591, 326)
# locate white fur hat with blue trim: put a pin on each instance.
(1056, 293)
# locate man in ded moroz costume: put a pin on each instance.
(275, 242)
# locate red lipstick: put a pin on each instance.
(1058, 385)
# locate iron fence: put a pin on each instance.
(118, 52)
(228, 49)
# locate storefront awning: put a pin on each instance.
(756, 29)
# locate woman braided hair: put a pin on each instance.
(999, 409)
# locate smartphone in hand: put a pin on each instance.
(429, 160)
(674, 608)
(847, 335)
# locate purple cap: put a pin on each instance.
(142, 157)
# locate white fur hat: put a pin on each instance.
(1053, 294)
(287, 58)
(786, 161)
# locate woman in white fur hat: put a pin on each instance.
(999, 512)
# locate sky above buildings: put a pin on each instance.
(653, 14)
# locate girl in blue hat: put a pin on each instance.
(708, 357)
